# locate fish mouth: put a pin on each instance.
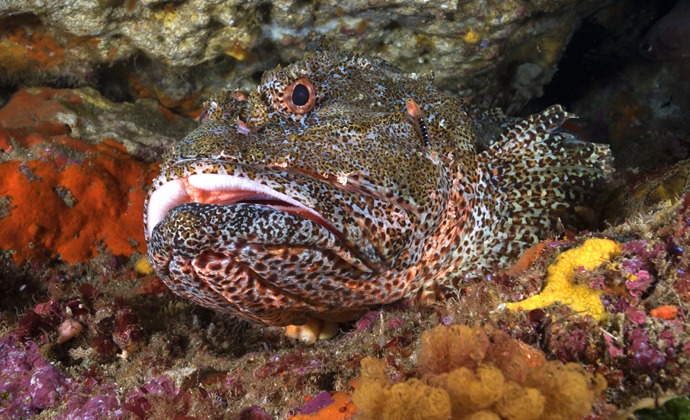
(229, 190)
(222, 190)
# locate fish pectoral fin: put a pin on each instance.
(535, 176)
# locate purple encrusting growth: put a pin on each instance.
(28, 383)
(642, 355)
(317, 403)
(101, 406)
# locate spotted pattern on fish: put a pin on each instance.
(277, 214)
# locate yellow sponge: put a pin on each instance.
(559, 287)
(143, 267)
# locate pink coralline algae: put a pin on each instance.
(640, 283)
(317, 403)
(28, 383)
(571, 346)
(253, 413)
(136, 401)
(613, 350)
(642, 355)
(395, 322)
(637, 317)
(101, 406)
(367, 321)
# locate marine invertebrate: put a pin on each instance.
(357, 175)
(377, 399)
(68, 329)
(143, 267)
(467, 373)
(559, 286)
(94, 199)
(664, 312)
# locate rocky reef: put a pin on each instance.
(172, 51)
(92, 94)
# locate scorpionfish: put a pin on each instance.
(342, 182)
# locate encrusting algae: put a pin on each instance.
(559, 285)
(471, 374)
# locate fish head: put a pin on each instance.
(313, 193)
(669, 38)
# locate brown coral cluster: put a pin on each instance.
(471, 374)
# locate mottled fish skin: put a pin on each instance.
(344, 205)
(669, 38)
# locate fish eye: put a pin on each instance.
(300, 96)
(646, 47)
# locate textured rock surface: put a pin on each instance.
(176, 49)
(74, 169)
(223, 369)
(28, 383)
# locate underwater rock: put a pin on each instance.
(160, 47)
(643, 192)
(28, 383)
(641, 113)
(74, 174)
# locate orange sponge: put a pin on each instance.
(444, 350)
(413, 399)
(470, 374)
(469, 391)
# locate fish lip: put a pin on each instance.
(217, 189)
(175, 192)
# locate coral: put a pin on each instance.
(459, 345)
(412, 399)
(467, 373)
(559, 286)
(470, 391)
